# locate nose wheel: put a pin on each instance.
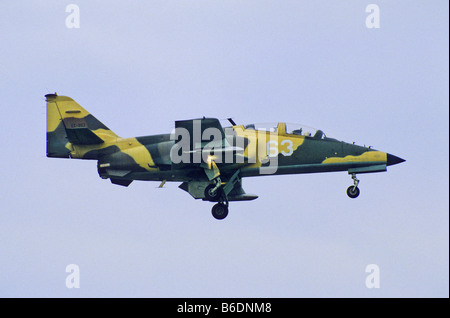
(353, 191)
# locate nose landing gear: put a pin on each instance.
(353, 191)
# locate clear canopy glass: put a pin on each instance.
(290, 129)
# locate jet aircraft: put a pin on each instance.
(208, 159)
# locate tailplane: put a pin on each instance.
(70, 124)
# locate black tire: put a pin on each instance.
(212, 196)
(219, 211)
(353, 192)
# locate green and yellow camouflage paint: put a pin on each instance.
(213, 159)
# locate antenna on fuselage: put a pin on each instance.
(231, 121)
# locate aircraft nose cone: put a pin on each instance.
(393, 160)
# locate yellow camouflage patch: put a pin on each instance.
(368, 156)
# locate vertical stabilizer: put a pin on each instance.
(70, 124)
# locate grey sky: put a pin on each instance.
(138, 66)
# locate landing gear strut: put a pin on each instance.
(353, 191)
(213, 192)
(216, 192)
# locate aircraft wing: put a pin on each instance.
(196, 190)
(238, 194)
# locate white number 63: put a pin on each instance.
(272, 148)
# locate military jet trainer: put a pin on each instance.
(208, 159)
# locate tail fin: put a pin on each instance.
(70, 124)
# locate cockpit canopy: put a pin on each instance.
(289, 129)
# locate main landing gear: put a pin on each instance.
(215, 193)
(353, 191)
(218, 192)
(220, 210)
